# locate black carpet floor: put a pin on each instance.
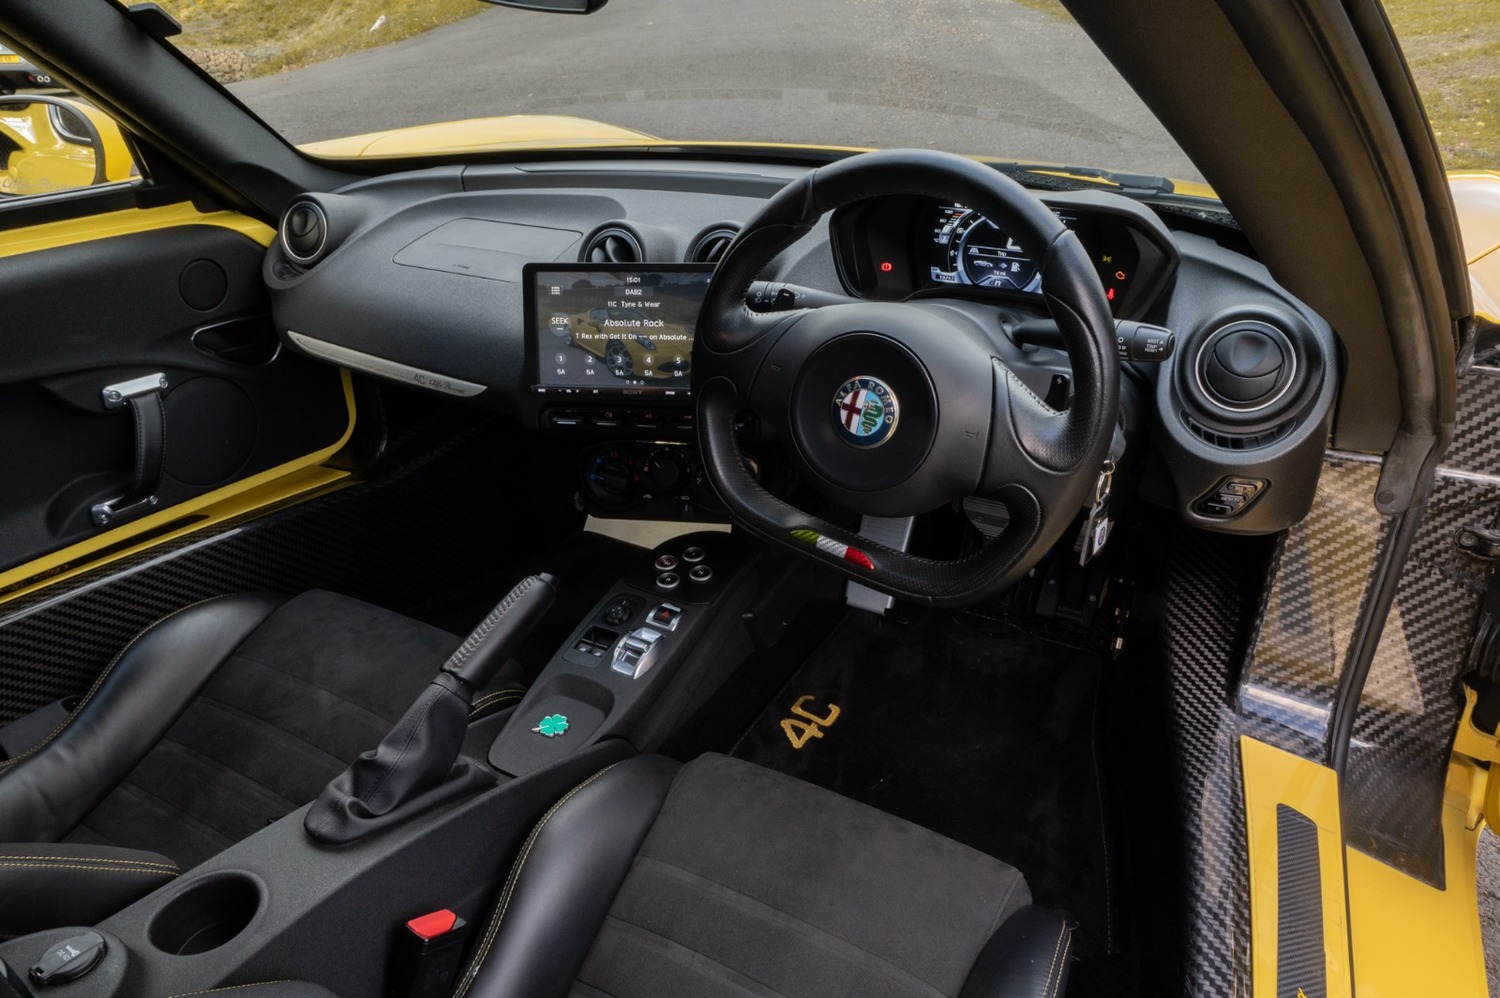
(967, 727)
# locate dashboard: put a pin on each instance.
(566, 295)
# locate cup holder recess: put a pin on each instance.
(210, 912)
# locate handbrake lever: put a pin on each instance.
(501, 631)
(416, 764)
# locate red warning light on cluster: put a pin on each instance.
(887, 267)
(1110, 294)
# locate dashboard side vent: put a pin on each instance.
(304, 232)
(1238, 441)
(612, 243)
(709, 245)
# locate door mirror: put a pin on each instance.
(553, 6)
(50, 144)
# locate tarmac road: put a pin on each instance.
(972, 76)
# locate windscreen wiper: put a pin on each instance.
(1132, 184)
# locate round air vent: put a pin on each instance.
(709, 245)
(304, 232)
(612, 243)
(1246, 377)
(1245, 366)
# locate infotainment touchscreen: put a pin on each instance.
(611, 329)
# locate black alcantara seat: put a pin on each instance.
(721, 878)
(211, 724)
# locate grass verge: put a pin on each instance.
(1453, 48)
(235, 39)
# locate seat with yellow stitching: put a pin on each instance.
(210, 725)
(722, 878)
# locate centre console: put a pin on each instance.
(618, 659)
(278, 906)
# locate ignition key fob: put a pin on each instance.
(68, 960)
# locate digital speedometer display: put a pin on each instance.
(905, 245)
(970, 249)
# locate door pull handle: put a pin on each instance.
(143, 397)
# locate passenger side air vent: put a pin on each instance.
(709, 245)
(304, 232)
(316, 224)
(612, 243)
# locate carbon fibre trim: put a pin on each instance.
(378, 541)
(1210, 610)
(1476, 438)
(1301, 965)
(1410, 706)
(1315, 603)
(1410, 703)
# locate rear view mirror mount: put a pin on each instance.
(553, 6)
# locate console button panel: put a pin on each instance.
(618, 659)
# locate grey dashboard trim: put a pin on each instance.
(371, 364)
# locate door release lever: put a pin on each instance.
(142, 396)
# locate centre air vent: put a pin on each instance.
(612, 243)
(710, 245)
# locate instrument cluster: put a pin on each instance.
(903, 246)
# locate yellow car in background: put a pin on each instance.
(16, 72)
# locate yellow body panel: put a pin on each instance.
(515, 131)
(1274, 777)
(540, 132)
(295, 480)
(1470, 741)
(1412, 939)
(1476, 197)
(118, 223)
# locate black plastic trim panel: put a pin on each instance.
(1301, 964)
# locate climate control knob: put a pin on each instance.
(612, 478)
(666, 473)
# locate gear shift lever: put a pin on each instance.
(413, 767)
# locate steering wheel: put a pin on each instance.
(897, 408)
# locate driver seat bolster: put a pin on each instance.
(1027, 957)
(46, 790)
(578, 854)
(654, 878)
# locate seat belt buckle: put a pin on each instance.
(425, 959)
